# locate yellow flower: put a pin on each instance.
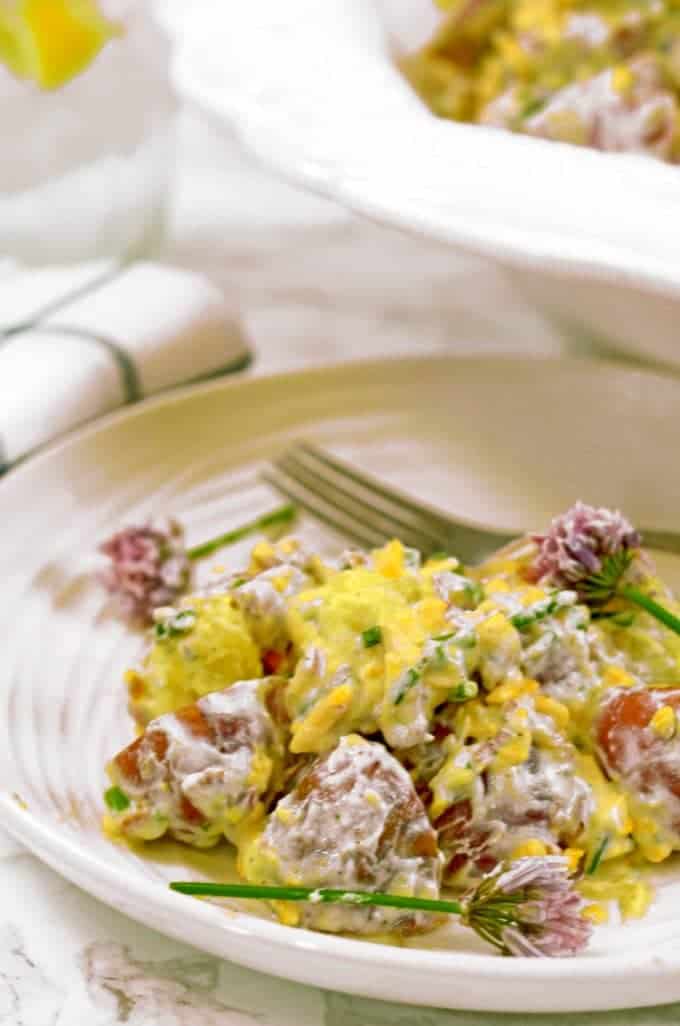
(52, 41)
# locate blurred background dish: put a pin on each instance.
(591, 237)
(595, 73)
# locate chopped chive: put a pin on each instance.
(175, 625)
(440, 657)
(184, 620)
(438, 555)
(597, 857)
(465, 639)
(532, 107)
(464, 691)
(412, 678)
(473, 592)
(371, 637)
(116, 799)
(523, 620)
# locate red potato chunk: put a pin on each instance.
(645, 757)
(541, 799)
(199, 773)
(353, 820)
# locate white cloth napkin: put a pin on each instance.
(80, 341)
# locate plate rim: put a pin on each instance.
(74, 862)
(38, 835)
(249, 378)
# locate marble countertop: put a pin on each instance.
(312, 284)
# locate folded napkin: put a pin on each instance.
(80, 341)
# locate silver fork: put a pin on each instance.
(369, 513)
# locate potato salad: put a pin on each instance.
(385, 721)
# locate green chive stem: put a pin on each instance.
(281, 515)
(661, 614)
(321, 895)
(116, 799)
(523, 620)
(464, 691)
(597, 857)
(371, 637)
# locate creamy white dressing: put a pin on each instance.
(333, 836)
(218, 777)
(449, 585)
(641, 121)
(542, 797)
(562, 660)
(589, 28)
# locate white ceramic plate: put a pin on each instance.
(313, 90)
(505, 441)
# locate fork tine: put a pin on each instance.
(308, 500)
(357, 502)
(469, 543)
(371, 484)
(419, 524)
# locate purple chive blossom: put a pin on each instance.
(530, 908)
(148, 568)
(577, 542)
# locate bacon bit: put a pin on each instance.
(441, 731)
(272, 661)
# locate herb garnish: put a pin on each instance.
(371, 636)
(410, 679)
(542, 610)
(473, 592)
(597, 857)
(175, 625)
(116, 799)
(527, 907)
(464, 691)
